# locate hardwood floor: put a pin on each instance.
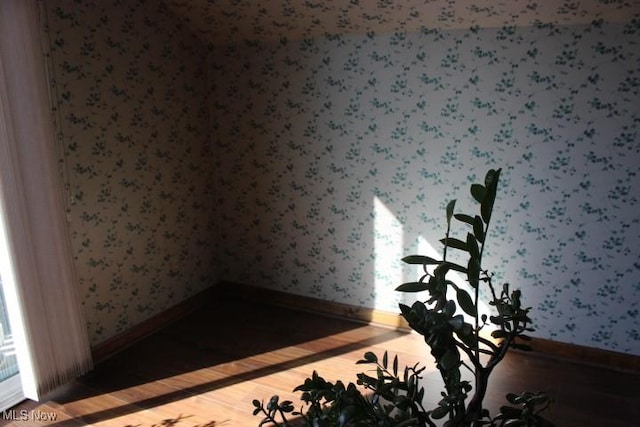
(204, 371)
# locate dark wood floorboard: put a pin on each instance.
(204, 371)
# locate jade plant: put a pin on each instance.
(459, 336)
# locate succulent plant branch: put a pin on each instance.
(397, 400)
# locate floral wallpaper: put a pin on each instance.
(128, 81)
(337, 156)
(308, 146)
(224, 22)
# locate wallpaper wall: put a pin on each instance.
(338, 154)
(128, 81)
(322, 161)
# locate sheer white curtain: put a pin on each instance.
(51, 336)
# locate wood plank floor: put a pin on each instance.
(204, 371)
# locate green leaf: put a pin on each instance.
(485, 209)
(371, 357)
(473, 272)
(450, 207)
(499, 333)
(514, 399)
(464, 218)
(364, 379)
(479, 192)
(401, 402)
(456, 322)
(450, 360)
(273, 403)
(412, 287)
(492, 177)
(478, 228)
(439, 412)
(420, 260)
(286, 406)
(449, 309)
(472, 246)
(486, 206)
(452, 242)
(466, 335)
(385, 359)
(465, 302)
(456, 267)
(404, 309)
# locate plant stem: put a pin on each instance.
(474, 409)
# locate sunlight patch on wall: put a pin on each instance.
(390, 271)
(388, 243)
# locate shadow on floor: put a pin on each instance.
(223, 332)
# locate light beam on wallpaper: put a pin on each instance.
(389, 249)
(388, 246)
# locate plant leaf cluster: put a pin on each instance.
(394, 398)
